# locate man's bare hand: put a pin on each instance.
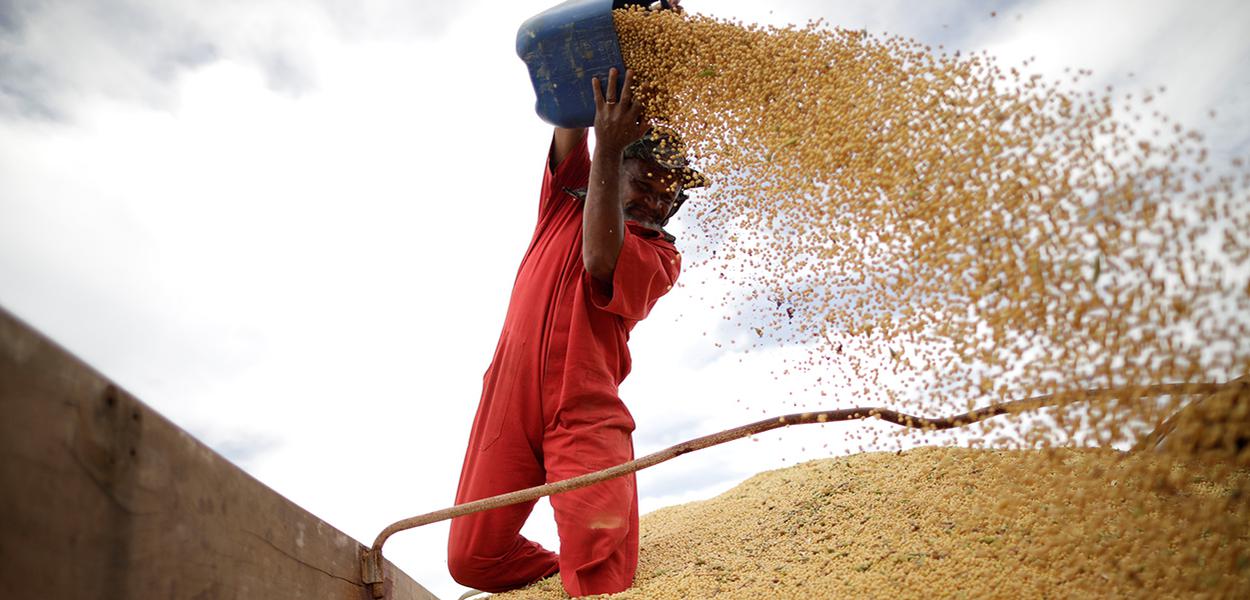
(618, 121)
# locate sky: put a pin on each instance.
(291, 227)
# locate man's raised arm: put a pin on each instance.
(564, 142)
(617, 124)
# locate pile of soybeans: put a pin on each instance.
(951, 523)
(939, 232)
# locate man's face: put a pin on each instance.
(648, 192)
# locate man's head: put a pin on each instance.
(656, 177)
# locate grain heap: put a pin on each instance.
(935, 522)
(940, 232)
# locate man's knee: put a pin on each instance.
(493, 569)
(464, 557)
(465, 569)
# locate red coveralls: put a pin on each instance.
(550, 411)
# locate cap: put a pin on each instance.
(664, 146)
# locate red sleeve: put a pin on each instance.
(573, 172)
(645, 270)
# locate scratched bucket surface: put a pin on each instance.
(564, 47)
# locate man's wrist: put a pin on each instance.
(603, 150)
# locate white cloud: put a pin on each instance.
(1197, 52)
(61, 52)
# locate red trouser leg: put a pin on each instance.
(486, 550)
(598, 525)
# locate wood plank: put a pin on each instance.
(103, 498)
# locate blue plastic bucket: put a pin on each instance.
(564, 47)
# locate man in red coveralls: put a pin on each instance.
(597, 263)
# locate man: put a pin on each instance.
(598, 261)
